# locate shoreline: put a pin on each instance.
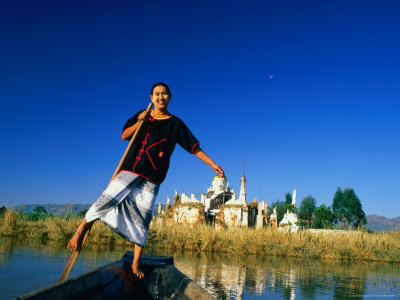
(358, 246)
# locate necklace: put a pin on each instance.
(161, 115)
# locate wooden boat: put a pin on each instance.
(162, 280)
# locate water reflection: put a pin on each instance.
(225, 276)
(238, 277)
(28, 266)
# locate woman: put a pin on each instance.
(126, 205)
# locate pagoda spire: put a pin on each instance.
(243, 181)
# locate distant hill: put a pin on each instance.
(62, 209)
(379, 223)
(54, 209)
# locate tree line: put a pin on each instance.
(40, 213)
(346, 211)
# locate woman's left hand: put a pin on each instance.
(218, 170)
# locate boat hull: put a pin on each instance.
(116, 281)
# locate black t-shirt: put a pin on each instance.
(151, 152)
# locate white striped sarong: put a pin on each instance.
(126, 206)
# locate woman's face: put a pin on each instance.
(160, 97)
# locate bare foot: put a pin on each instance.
(75, 243)
(136, 270)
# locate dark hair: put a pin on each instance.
(160, 84)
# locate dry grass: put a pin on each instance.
(10, 222)
(352, 245)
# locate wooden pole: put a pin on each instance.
(75, 253)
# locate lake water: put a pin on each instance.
(26, 267)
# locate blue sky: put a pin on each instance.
(307, 91)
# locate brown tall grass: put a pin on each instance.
(351, 245)
(11, 219)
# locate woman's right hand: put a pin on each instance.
(128, 132)
(143, 116)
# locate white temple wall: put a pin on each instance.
(187, 215)
(184, 198)
(235, 216)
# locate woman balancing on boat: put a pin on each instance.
(126, 205)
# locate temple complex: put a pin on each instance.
(221, 208)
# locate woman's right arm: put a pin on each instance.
(128, 132)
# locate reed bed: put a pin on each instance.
(348, 245)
